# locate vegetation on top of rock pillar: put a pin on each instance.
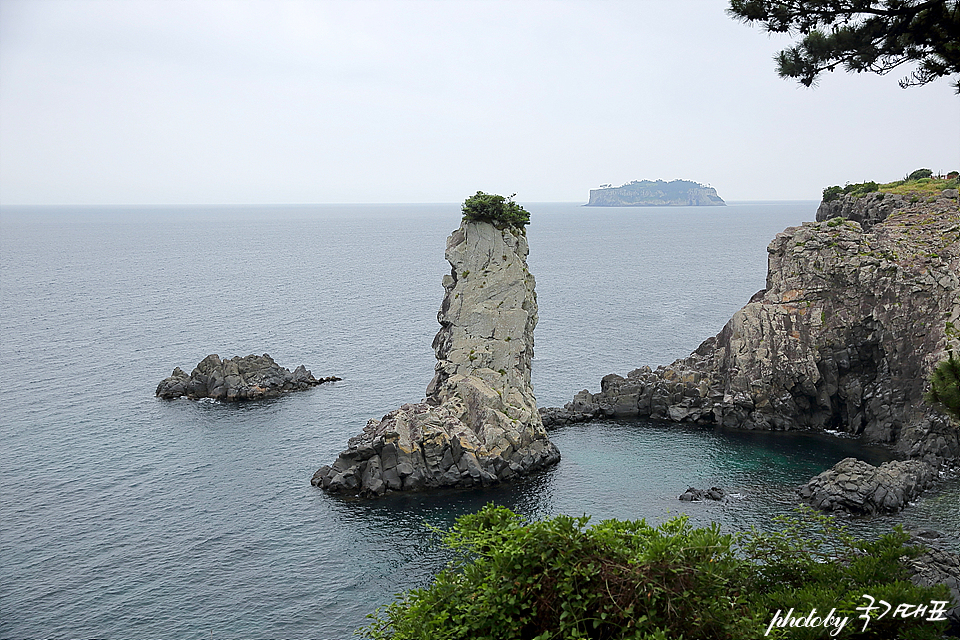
(499, 210)
(945, 385)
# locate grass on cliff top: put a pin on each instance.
(918, 187)
(923, 186)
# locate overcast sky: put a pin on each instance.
(240, 101)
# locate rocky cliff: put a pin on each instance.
(856, 312)
(479, 424)
(647, 193)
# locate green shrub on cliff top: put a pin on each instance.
(856, 190)
(490, 207)
(559, 579)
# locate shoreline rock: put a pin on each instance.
(860, 488)
(479, 424)
(239, 378)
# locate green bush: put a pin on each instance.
(861, 189)
(811, 562)
(490, 207)
(559, 579)
(919, 174)
(945, 386)
(832, 193)
(856, 190)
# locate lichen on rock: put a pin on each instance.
(479, 424)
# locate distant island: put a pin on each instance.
(646, 193)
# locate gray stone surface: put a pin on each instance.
(857, 487)
(240, 378)
(479, 424)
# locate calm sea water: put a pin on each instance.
(126, 516)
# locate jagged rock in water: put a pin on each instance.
(699, 495)
(857, 487)
(248, 378)
(479, 424)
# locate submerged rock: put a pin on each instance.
(699, 495)
(479, 424)
(248, 378)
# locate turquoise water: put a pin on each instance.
(126, 516)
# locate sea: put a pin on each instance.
(128, 516)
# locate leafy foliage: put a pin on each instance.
(920, 173)
(813, 562)
(861, 35)
(500, 210)
(856, 190)
(945, 385)
(559, 578)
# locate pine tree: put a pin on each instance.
(861, 35)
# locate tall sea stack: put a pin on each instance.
(479, 424)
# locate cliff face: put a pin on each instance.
(844, 336)
(479, 423)
(646, 193)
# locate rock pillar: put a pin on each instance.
(479, 424)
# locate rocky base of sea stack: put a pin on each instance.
(420, 446)
(240, 378)
(860, 488)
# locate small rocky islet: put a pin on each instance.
(656, 193)
(236, 379)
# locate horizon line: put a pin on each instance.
(339, 204)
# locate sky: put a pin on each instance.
(375, 101)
